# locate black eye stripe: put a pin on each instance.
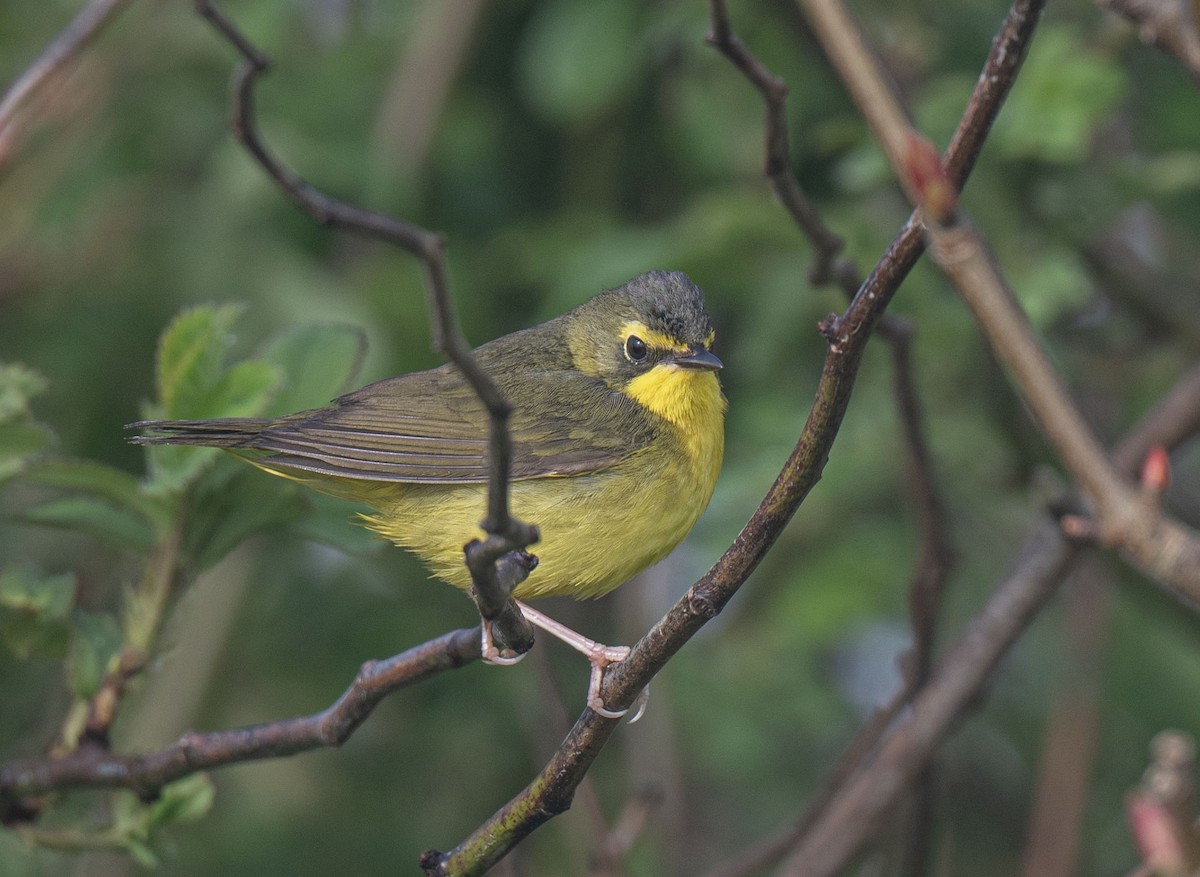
(635, 349)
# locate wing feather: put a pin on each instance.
(430, 427)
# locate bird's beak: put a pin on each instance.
(698, 359)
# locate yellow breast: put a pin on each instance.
(598, 530)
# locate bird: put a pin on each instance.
(617, 431)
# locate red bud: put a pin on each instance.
(928, 180)
(1155, 834)
(1156, 470)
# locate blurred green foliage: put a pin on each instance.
(578, 145)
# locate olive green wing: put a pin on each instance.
(430, 427)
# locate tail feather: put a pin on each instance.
(230, 432)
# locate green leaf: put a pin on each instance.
(242, 391)
(317, 363)
(19, 443)
(95, 638)
(193, 383)
(95, 517)
(21, 437)
(117, 487)
(35, 611)
(18, 384)
(186, 800)
(190, 356)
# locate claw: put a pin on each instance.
(491, 655)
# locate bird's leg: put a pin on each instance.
(598, 655)
(510, 570)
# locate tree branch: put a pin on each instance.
(505, 534)
(65, 48)
(93, 767)
(1170, 25)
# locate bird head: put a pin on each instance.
(650, 339)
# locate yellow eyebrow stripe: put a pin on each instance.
(654, 339)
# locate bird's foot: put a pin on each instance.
(599, 656)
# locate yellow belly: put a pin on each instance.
(597, 530)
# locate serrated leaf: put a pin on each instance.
(35, 611)
(18, 384)
(242, 391)
(190, 357)
(95, 638)
(317, 362)
(95, 517)
(186, 800)
(117, 487)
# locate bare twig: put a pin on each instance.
(65, 48)
(615, 847)
(1068, 753)
(92, 767)
(935, 557)
(494, 579)
(1162, 810)
(827, 245)
(1169, 24)
(1164, 548)
(855, 814)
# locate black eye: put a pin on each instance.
(635, 349)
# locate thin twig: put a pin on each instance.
(65, 48)
(614, 848)
(925, 593)
(1169, 24)
(493, 580)
(778, 165)
(92, 767)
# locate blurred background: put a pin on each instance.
(564, 148)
